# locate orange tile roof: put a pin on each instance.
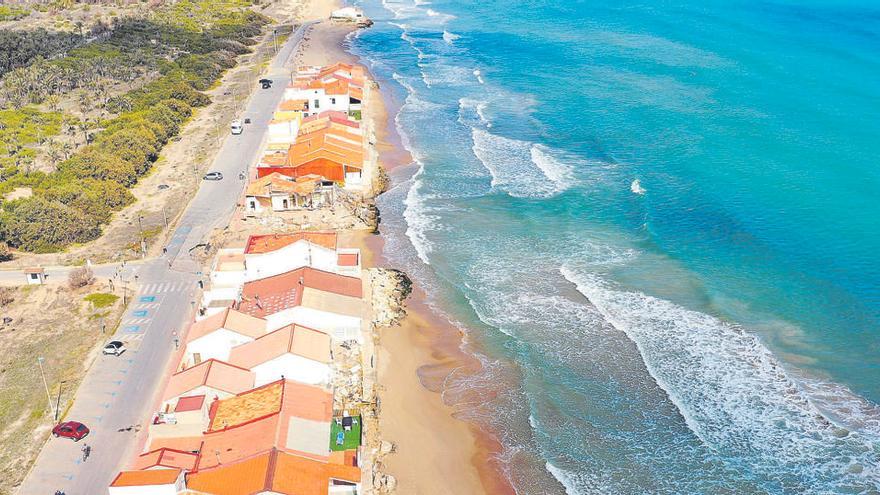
(182, 444)
(293, 339)
(272, 183)
(274, 159)
(273, 294)
(211, 373)
(259, 244)
(165, 457)
(327, 143)
(146, 478)
(272, 471)
(246, 407)
(327, 118)
(272, 430)
(228, 319)
(293, 105)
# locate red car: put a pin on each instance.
(71, 429)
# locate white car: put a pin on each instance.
(115, 348)
(237, 127)
(213, 176)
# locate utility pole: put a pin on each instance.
(165, 217)
(45, 383)
(143, 241)
(275, 39)
(58, 401)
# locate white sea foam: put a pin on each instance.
(472, 113)
(566, 478)
(449, 37)
(636, 187)
(479, 76)
(418, 221)
(733, 393)
(555, 169)
(514, 168)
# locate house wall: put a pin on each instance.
(278, 202)
(283, 132)
(215, 345)
(292, 367)
(170, 489)
(324, 101)
(289, 258)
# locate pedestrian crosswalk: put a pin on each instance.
(163, 287)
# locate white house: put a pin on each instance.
(325, 301)
(293, 352)
(211, 378)
(349, 14)
(149, 482)
(274, 254)
(282, 132)
(215, 336)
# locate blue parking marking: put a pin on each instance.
(131, 329)
(146, 299)
(139, 313)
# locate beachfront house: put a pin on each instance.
(274, 254)
(325, 301)
(277, 193)
(214, 336)
(293, 352)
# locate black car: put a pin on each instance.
(266, 83)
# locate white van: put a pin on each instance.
(237, 128)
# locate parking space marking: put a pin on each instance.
(140, 313)
(147, 299)
(131, 328)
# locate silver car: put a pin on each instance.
(114, 348)
(213, 176)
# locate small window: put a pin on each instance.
(317, 104)
(332, 101)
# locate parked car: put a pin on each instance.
(237, 127)
(266, 83)
(73, 430)
(115, 348)
(213, 176)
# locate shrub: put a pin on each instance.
(80, 277)
(5, 252)
(7, 296)
(101, 299)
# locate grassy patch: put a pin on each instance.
(352, 438)
(101, 299)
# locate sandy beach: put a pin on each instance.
(434, 452)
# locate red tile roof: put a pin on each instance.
(293, 339)
(211, 373)
(273, 294)
(228, 319)
(165, 457)
(191, 403)
(259, 244)
(347, 259)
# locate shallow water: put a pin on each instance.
(710, 328)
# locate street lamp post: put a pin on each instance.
(143, 242)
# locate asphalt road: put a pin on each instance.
(118, 394)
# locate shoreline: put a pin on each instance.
(415, 358)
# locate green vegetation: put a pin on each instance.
(355, 114)
(12, 12)
(351, 438)
(101, 300)
(181, 49)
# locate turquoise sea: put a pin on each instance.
(658, 224)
